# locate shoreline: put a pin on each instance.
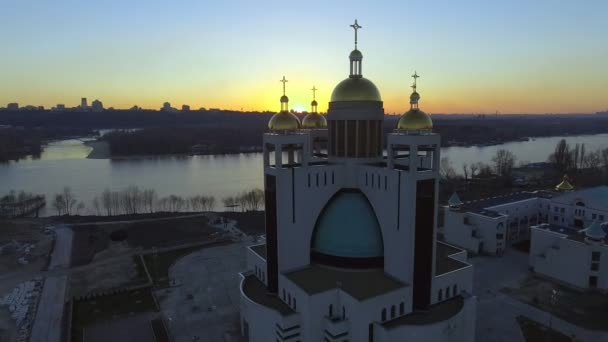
(101, 149)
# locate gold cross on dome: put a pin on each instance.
(283, 81)
(314, 91)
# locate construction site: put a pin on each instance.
(146, 279)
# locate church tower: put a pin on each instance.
(351, 251)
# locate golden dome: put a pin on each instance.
(284, 121)
(415, 120)
(314, 120)
(355, 89)
(565, 185)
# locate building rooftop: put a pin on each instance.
(360, 284)
(436, 313)
(480, 206)
(568, 233)
(255, 290)
(444, 263)
(596, 197)
(259, 250)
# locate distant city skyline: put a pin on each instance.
(474, 57)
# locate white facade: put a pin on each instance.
(570, 257)
(324, 276)
(490, 225)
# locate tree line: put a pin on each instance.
(132, 200)
(571, 159)
(565, 159)
(21, 203)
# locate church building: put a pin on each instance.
(351, 252)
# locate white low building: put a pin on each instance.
(490, 225)
(578, 258)
(350, 252)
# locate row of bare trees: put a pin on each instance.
(501, 166)
(567, 158)
(246, 201)
(65, 203)
(20, 203)
(133, 200)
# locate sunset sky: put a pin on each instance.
(541, 56)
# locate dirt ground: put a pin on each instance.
(23, 231)
(115, 267)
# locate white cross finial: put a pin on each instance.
(356, 27)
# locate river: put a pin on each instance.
(64, 163)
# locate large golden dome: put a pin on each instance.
(415, 120)
(314, 120)
(284, 121)
(355, 89)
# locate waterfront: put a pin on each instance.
(65, 163)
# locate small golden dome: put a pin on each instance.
(284, 121)
(314, 120)
(284, 99)
(313, 103)
(415, 120)
(565, 185)
(355, 89)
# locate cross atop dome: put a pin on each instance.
(415, 77)
(356, 27)
(314, 91)
(283, 81)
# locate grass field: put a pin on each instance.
(86, 312)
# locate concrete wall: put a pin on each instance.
(566, 260)
(462, 278)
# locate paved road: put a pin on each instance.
(47, 326)
(497, 312)
(62, 252)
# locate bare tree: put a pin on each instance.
(80, 208)
(504, 161)
(593, 161)
(59, 204)
(474, 167)
(97, 206)
(604, 155)
(69, 200)
(149, 197)
(561, 158)
(446, 169)
(465, 171)
(106, 201)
